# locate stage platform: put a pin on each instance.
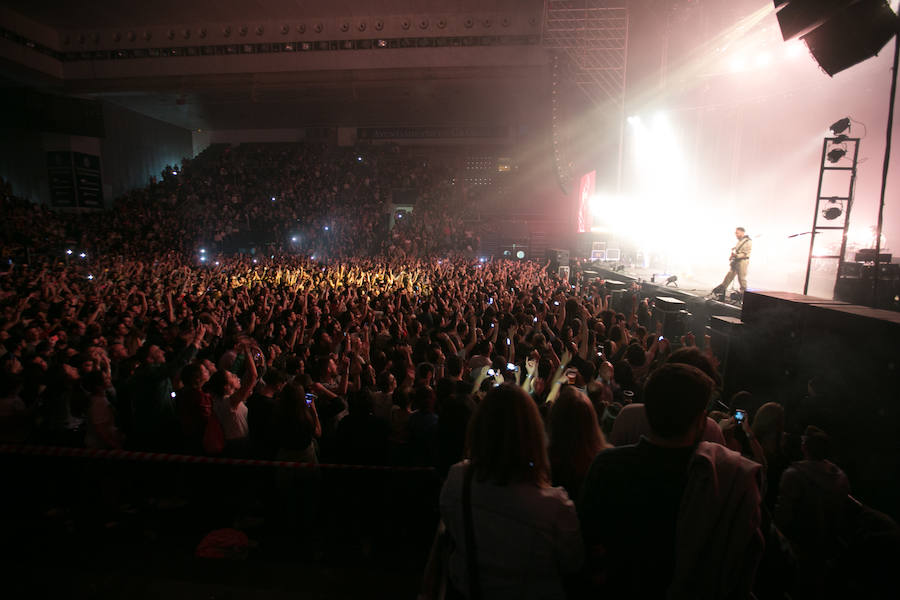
(700, 310)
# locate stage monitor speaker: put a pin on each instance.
(669, 304)
(838, 33)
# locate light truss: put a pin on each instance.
(593, 34)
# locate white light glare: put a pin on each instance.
(762, 60)
(737, 64)
(794, 49)
(69, 251)
(83, 255)
(634, 120)
(294, 238)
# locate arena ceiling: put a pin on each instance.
(327, 91)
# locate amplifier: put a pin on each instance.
(868, 255)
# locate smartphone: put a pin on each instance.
(534, 320)
(556, 303)
(490, 300)
(660, 339)
(490, 372)
(310, 398)
(511, 367)
(739, 415)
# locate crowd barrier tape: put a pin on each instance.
(141, 456)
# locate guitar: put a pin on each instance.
(734, 258)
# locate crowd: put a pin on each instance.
(400, 348)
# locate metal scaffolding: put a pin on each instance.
(593, 34)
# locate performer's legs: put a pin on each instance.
(742, 275)
(723, 287)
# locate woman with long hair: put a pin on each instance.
(524, 533)
(575, 439)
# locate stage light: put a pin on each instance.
(326, 228)
(273, 198)
(83, 255)
(217, 263)
(255, 261)
(634, 120)
(202, 250)
(834, 211)
(294, 238)
(737, 64)
(520, 254)
(840, 126)
(381, 43)
(90, 276)
(795, 49)
(69, 251)
(836, 155)
(762, 60)
(840, 139)
(202, 259)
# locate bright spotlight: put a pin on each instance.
(90, 276)
(202, 259)
(294, 238)
(83, 255)
(69, 251)
(794, 49)
(202, 250)
(520, 254)
(762, 60)
(737, 64)
(634, 120)
(326, 228)
(660, 119)
(273, 198)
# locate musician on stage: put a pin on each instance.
(740, 258)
